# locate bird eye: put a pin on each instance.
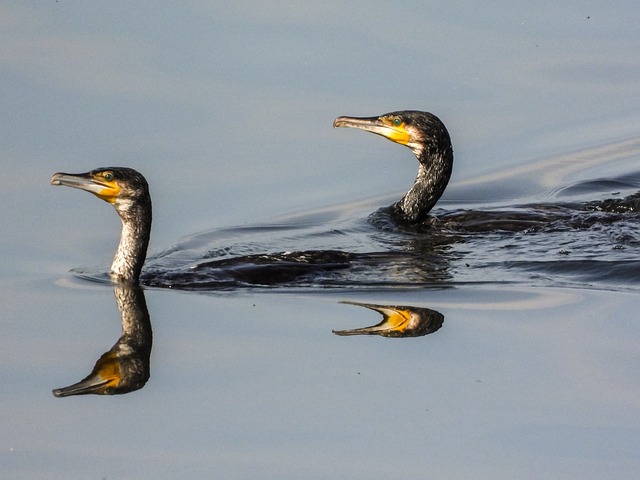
(397, 121)
(108, 176)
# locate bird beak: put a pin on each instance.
(101, 188)
(104, 378)
(389, 126)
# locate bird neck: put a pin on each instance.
(134, 240)
(434, 172)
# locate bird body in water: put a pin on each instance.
(428, 138)
(127, 190)
(423, 262)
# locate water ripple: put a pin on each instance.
(564, 242)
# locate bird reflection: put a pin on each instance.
(124, 368)
(400, 321)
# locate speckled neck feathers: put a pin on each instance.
(136, 229)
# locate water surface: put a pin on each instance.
(227, 110)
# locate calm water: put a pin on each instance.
(227, 110)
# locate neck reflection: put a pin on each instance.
(126, 366)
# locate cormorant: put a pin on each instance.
(428, 138)
(128, 191)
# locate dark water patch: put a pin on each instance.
(602, 272)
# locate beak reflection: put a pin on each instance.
(399, 321)
(126, 366)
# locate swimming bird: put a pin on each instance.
(127, 190)
(428, 138)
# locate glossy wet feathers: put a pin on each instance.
(428, 138)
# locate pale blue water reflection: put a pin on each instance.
(227, 109)
(258, 385)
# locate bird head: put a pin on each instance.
(422, 132)
(118, 186)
